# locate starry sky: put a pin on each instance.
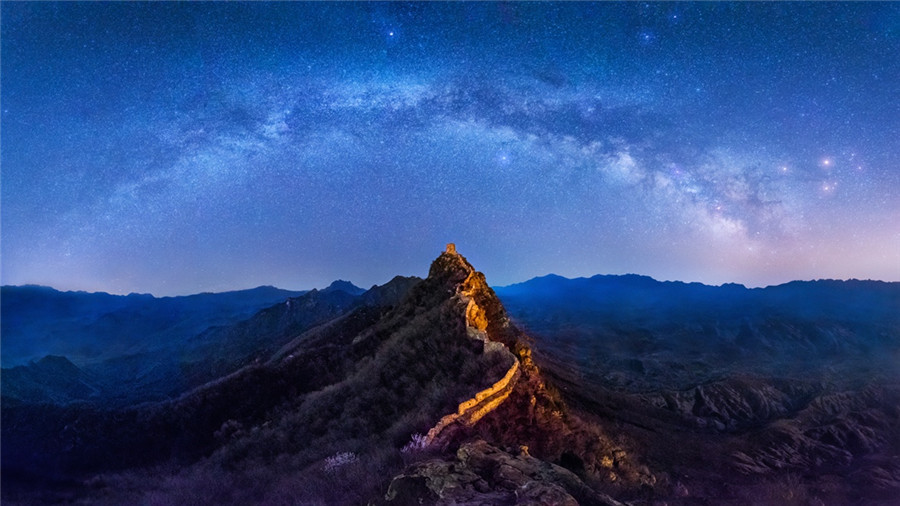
(174, 148)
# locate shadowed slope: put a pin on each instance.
(362, 383)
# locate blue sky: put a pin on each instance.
(174, 148)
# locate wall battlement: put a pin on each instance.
(485, 401)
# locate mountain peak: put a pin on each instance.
(482, 309)
(450, 267)
(344, 286)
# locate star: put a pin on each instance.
(283, 149)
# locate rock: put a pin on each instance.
(484, 474)
(410, 489)
(533, 493)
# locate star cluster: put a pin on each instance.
(175, 148)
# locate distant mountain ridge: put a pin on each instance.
(85, 326)
(122, 349)
(635, 318)
(619, 296)
(344, 286)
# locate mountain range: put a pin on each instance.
(443, 390)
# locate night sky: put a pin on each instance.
(174, 148)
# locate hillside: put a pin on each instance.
(619, 390)
(379, 370)
(91, 327)
(155, 349)
(788, 390)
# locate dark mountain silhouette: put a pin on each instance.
(175, 364)
(344, 286)
(790, 390)
(425, 391)
(611, 325)
(185, 343)
(91, 327)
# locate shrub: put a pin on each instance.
(417, 442)
(339, 460)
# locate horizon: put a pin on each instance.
(492, 285)
(176, 149)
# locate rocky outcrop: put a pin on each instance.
(483, 474)
(735, 404)
(834, 430)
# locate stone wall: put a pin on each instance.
(485, 401)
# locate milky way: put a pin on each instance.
(174, 148)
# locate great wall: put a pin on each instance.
(487, 400)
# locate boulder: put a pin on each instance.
(484, 474)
